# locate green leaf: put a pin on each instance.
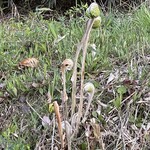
(52, 29)
(14, 91)
(122, 90)
(83, 146)
(117, 102)
(101, 119)
(41, 91)
(94, 114)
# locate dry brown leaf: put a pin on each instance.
(97, 135)
(46, 121)
(96, 130)
(29, 62)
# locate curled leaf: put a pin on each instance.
(66, 126)
(29, 62)
(74, 120)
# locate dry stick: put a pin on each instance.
(85, 44)
(35, 111)
(56, 108)
(122, 133)
(74, 76)
(52, 145)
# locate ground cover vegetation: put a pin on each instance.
(33, 81)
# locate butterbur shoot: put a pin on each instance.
(93, 10)
(97, 22)
(67, 64)
(89, 89)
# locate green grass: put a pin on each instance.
(122, 43)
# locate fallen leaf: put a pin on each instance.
(46, 121)
(35, 85)
(113, 76)
(66, 126)
(29, 62)
(96, 130)
(2, 85)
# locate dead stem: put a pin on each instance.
(52, 145)
(122, 132)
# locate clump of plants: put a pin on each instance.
(72, 122)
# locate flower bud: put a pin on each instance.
(89, 88)
(93, 10)
(97, 22)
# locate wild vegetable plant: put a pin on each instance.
(94, 21)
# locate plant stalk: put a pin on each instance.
(80, 46)
(85, 45)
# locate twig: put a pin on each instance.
(122, 133)
(53, 133)
(34, 110)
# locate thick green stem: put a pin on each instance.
(88, 107)
(85, 45)
(74, 76)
